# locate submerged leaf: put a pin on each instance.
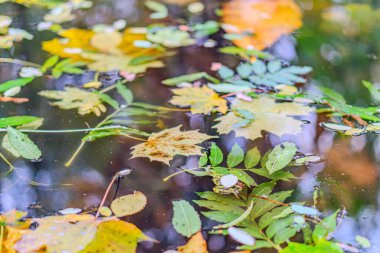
(200, 99)
(163, 146)
(186, 220)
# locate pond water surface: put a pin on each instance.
(348, 177)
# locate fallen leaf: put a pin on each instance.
(12, 236)
(268, 116)
(74, 98)
(185, 220)
(267, 20)
(129, 204)
(14, 100)
(57, 234)
(196, 244)
(116, 236)
(104, 51)
(200, 99)
(163, 146)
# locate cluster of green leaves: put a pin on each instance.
(58, 68)
(258, 209)
(340, 108)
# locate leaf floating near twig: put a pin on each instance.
(163, 146)
(280, 157)
(268, 116)
(129, 204)
(200, 99)
(74, 98)
(186, 220)
(19, 144)
(196, 244)
(264, 23)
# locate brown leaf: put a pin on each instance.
(196, 244)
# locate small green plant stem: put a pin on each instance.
(16, 61)
(78, 130)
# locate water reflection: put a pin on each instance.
(348, 178)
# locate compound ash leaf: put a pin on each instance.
(163, 146)
(115, 236)
(200, 99)
(196, 244)
(57, 234)
(19, 144)
(266, 20)
(74, 98)
(268, 116)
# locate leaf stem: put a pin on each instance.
(117, 175)
(21, 62)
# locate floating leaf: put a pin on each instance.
(266, 20)
(115, 236)
(200, 99)
(186, 220)
(216, 155)
(304, 210)
(321, 247)
(129, 204)
(170, 37)
(236, 156)
(57, 234)
(252, 158)
(15, 83)
(241, 236)
(196, 244)
(163, 146)
(280, 157)
(269, 116)
(17, 121)
(74, 98)
(22, 145)
(363, 242)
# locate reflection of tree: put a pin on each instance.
(349, 175)
(342, 43)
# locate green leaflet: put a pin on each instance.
(16, 121)
(189, 78)
(21, 144)
(252, 158)
(185, 220)
(280, 157)
(125, 93)
(321, 247)
(216, 155)
(237, 220)
(236, 156)
(14, 83)
(323, 229)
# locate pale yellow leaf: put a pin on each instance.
(269, 116)
(129, 204)
(69, 233)
(200, 99)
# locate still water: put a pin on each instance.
(341, 56)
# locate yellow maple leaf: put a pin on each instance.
(58, 234)
(163, 146)
(116, 236)
(200, 99)
(12, 235)
(267, 20)
(268, 116)
(196, 244)
(104, 51)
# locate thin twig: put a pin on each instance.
(21, 62)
